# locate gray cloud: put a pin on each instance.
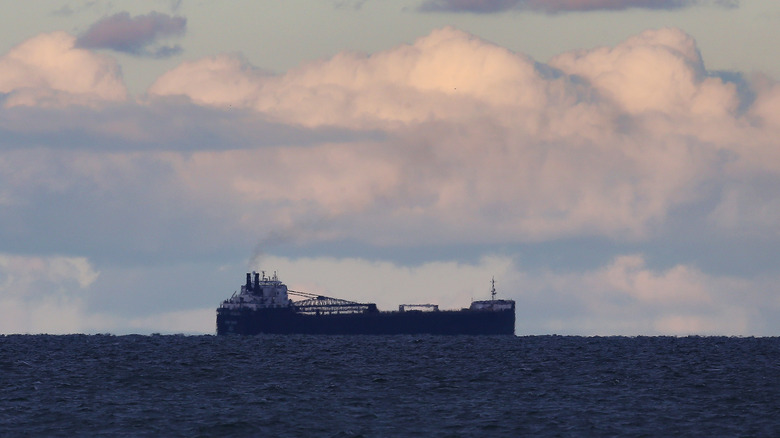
(558, 6)
(135, 35)
(64, 11)
(163, 124)
(349, 4)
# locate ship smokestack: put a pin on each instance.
(248, 281)
(257, 281)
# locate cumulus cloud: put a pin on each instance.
(558, 6)
(489, 144)
(137, 35)
(223, 80)
(656, 71)
(407, 84)
(48, 70)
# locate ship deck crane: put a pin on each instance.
(321, 305)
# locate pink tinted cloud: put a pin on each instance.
(557, 6)
(480, 143)
(609, 144)
(135, 35)
(405, 84)
(657, 70)
(226, 80)
(48, 70)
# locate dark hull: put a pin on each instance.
(287, 321)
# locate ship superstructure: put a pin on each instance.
(263, 293)
(264, 306)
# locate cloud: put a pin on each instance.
(60, 295)
(135, 35)
(43, 294)
(628, 297)
(348, 4)
(660, 71)
(64, 11)
(407, 84)
(48, 70)
(70, 9)
(156, 125)
(450, 146)
(559, 6)
(222, 80)
(485, 143)
(473, 144)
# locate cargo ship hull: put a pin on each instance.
(264, 306)
(287, 321)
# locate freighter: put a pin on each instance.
(264, 306)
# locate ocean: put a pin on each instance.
(397, 386)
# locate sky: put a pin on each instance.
(613, 164)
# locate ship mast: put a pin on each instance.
(493, 289)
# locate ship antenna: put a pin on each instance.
(493, 289)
